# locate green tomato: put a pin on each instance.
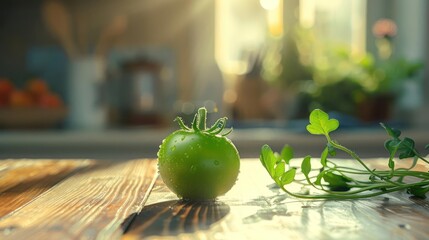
(198, 163)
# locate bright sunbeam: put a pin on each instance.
(269, 4)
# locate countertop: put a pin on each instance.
(87, 199)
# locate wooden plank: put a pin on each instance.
(91, 204)
(15, 172)
(23, 180)
(254, 210)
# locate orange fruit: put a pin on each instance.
(20, 98)
(37, 87)
(49, 100)
(6, 87)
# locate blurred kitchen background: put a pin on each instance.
(105, 78)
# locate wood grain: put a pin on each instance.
(254, 209)
(23, 180)
(91, 204)
(81, 199)
(15, 172)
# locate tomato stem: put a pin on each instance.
(202, 118)
(218, 126)
(182, 125)
(199, 124)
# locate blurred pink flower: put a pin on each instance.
(384, 28)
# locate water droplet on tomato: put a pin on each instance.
(193, 168)
(216, 162)
(173, 148)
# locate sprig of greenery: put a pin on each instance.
(333, 181)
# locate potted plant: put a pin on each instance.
(384, 74)
(364, 86)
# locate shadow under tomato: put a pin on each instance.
(174, 217)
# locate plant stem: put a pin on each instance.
(357, 158)
(348, 195)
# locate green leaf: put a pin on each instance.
(306, 165)
(418, 191)
(427, 147)
(278, 157)
(405, 148)
(394, 133)
(279, 169)
(287, 153)
(391, 147)
(288, 176)
(336, 182)
(320, 124)
(391, 144)
(324, 157)
(319, 178)
(268, 159)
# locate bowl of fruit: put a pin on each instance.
(33, 106)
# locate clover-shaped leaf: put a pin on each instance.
(320, 124)
(405, 148)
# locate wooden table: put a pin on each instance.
(85, 199)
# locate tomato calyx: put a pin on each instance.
(200, 121)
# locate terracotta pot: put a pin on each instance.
(376, 108)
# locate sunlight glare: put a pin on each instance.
(269, 4)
